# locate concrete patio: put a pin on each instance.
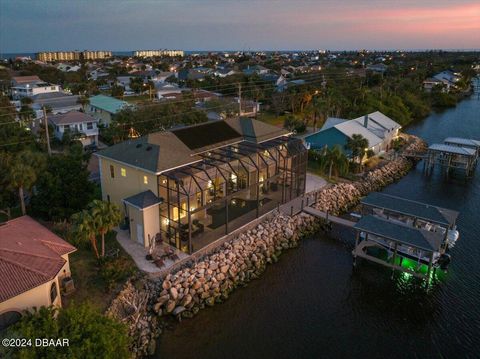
(139, 253)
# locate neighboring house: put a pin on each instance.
(224, 72)
(124, 81)
(76, 122)
(447, 79)
(192, 185)
(145, 75)
(377, 128)
(58, 102)
(164, 75)
(377, 68)
(256, 69)
(250, 108)
(28, 86)
(165, 90)
(205, 96)
(97, 74)
(34, 267)
(104, 108)
(68, 67)
(431, 83)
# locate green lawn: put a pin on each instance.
(95, 282)
(136, 98)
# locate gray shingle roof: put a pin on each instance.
(162, 151)
(70, 118)
(143, 200)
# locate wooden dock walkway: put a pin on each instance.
(337, 220)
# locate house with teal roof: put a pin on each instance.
(104, 108)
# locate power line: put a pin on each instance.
(234, 86)
(183, 101)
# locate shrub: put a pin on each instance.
(115, 270)
(90, 334)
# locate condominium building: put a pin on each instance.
(50, 56)
(153, 53)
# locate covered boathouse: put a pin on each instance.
(454, 153)
(405, 229)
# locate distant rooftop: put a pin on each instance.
(71, 117)
(107, 103)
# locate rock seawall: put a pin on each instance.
(141, 304)
(340, 197)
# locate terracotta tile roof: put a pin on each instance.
(30, 255)
(26, 79)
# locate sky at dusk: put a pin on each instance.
(34, 25)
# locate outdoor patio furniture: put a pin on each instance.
(159, 262)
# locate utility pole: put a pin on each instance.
(46, 130)
(239, 100)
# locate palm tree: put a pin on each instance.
(85, 227)
(84, 101)
(107, 216)
(22, 173)
(357, 144)
(335, 159)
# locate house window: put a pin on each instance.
(9, 318)
(66, 127)
(145, 179)
(53, 88)
(123, 171)
(53, 292)
(89, 125)
(81, 127)
(112, 171)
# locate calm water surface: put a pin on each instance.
(313, 305)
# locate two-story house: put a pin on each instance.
(191, 185)
(76, 122)
(104, 108)
(377, 128)
(28, 86)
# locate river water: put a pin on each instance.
(312, 304)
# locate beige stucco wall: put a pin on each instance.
(38, 296)
(148, 218)
(120, 187)
(151, 222)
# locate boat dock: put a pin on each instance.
(419, 232)
(329, 218)
(454, 154)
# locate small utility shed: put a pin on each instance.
(143, 213)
